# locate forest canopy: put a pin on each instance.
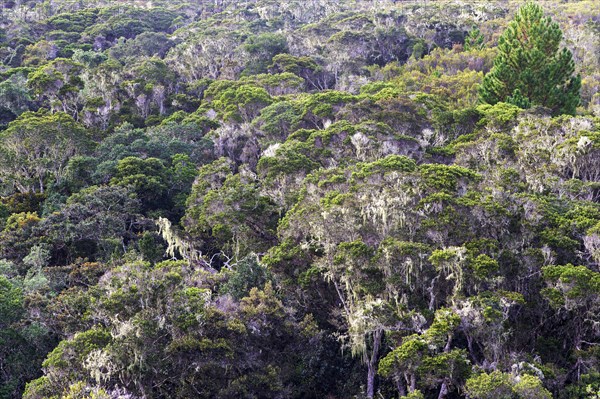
(299, 199)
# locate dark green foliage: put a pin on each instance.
(503, 385)
(14, 99)
(474, 40)
(299, 199)
(196, 325)
(233, 216)
(530, 69)
(146, 177)
(246, 274)
(94, 223)
(37, 147)
(262, 49)
(22, 341)
(146, 44)
(238, 103)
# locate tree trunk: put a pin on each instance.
(400, 387)
(448, 344)
(431, 293)
(443, 391)
(470, 346)
(370, 381)
(372, 365)
(444, 387)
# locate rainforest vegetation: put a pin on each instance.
(299, 199)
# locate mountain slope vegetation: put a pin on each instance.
(299, 199)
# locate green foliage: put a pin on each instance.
(343, 217)
(424, 355)
(484, 266)
(232, 215)
(37, 147)
(443, 177)
(490, 386)
(388, 164)
(11, 303)
(194, 324)
(14, 99)
(416, 394)
(589, 386)
(146, 177)
(262, 48)
(505, 386)
(575, 285)
(498, 115)
(246, 274)
(239, 103)
(530, 69)
(94, 222)
(474, 40)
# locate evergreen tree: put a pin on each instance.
(529, 69)
(474, 40)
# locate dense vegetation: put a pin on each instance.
(299, 199)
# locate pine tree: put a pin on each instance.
(529, 69)
(474, 40)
